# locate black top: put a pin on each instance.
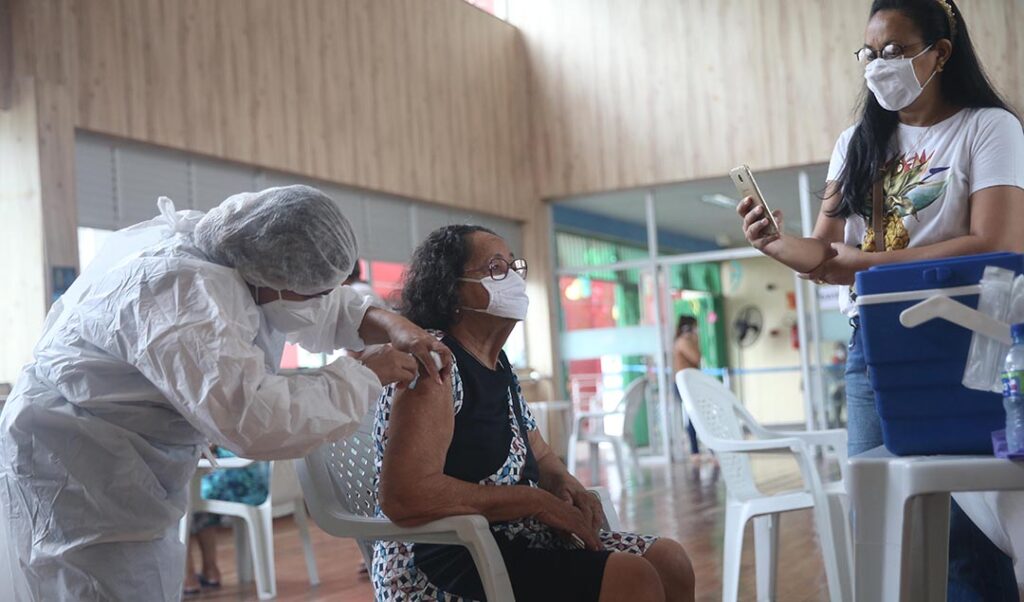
(483, 432)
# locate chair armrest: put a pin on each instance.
(451, 529)
(832, 438)
(791, 444)
(611, 516)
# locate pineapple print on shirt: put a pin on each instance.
(909, 186)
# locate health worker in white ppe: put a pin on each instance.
(170, 342)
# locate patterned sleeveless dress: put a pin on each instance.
(490, 446)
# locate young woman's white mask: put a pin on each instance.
(508, 298)
(894, 81)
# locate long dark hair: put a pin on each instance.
(964, 84)
(430, 289)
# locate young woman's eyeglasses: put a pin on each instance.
(499, 267)
(891, 51)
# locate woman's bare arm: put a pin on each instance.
(997, 224)
(414, 489)
(800, 254)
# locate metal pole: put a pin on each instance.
(800, 286)
(807, 215)
(659, 319)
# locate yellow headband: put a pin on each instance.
(946, 6)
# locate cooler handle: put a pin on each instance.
(942, 307)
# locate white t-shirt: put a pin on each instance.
(934, 172)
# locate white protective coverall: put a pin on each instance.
(152, 355)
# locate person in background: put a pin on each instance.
(941, 154)
(248, 485)
(686, 354)
(355, 280)
(169, 342)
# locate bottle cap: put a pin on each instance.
(1017, 332)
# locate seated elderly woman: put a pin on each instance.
(469, 445)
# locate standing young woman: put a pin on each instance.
(686, 354)
(942, 155)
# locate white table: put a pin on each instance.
(891, 494)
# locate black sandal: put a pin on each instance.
(203, 581)
(188, 592)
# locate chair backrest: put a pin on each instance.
(717, 417)
(632, 399)
(337, 477)
(350, 463)
(337, 481)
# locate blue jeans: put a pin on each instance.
(978, 570)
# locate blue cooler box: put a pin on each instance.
(917, 372)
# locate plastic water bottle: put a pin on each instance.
(1013, 395)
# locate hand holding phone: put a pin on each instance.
(746, 186)
(763, 229)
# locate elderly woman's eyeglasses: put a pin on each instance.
(499, 267)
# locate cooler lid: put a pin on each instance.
(934, 274)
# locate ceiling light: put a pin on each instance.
(719, 200)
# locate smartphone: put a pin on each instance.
(746, 186)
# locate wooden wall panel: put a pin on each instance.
(420, 99)
(37, 201)
(633, 93)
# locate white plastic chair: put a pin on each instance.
(254, 526)
(337, 479)
(719, 419)
(633, 396)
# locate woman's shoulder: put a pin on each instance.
(844, 138)
(993, 121)
(994, 115)
(848, 132)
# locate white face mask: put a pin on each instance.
(894, 81)
(303, 322)
(508, 296)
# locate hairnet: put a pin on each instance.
(288, 238)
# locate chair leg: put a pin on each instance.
(243, 553)
(634, 459)
(595, 463)
(735, 521)
(843, 539)
(766, 547)
(934, 557)
(570, 453)
(307, 544)
(263, 552)
(827, 539)
(618, 448)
